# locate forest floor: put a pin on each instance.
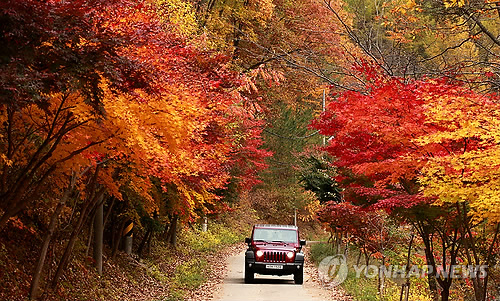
(166, 274)
(194, 270)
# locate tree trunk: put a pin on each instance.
(346, 247)
(98, 235)
(87, 208)
(90, 239)
(108, 213)
(338, 240)
(381, 281)
(164, 235)
(143, 242)
(405, 288)
(359, 257)
(118, 238)
(172, 232)
(148, 243)
(35, 282)
(367, 257)
(429, 257)
(445, 293)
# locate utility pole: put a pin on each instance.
(295, 216)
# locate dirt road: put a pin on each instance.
(265, 288)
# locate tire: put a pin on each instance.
(298, 276)
(249, 275)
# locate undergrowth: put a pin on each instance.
(366, 288)
(212, 240)
(166, 272)
(191, 274)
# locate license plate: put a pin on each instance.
(274, 266)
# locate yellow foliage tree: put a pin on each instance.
(468, 167)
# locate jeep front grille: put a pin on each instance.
(274, 256)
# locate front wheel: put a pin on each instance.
(298, 276)
(249, 275)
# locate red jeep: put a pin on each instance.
(274, 250)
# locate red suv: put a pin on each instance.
(274, 250)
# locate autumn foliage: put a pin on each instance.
(156, 113)
(118, 88)
(416, 141)
(423, 149)
(105, 102)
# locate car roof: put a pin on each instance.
(276, 226)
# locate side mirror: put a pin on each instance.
(302, 242)
(248, 240)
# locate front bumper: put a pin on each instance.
(273, 268)
(269, 268)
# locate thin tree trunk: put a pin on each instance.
(98, 235)
(148, 244)
(405, 288)
(359, 257)
(87, 207)
(108, 213)
(338, 240)
(143, 242)
(164, 235)
(367, 257)
(429, 257)
(69, 248)
(346, 247)
(488, 262)
(445, 294)
(381, 281)
(35, 282)
(118, 238)
(89, 240)
(172, 232)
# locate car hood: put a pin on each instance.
(275, 247)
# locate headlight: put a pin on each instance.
(290, 255)
(259, 253)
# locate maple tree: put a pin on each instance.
(113, 105)
(54, 63)
(361, 227)
(465, 175)
(136, 106)
(404, 146)
(204, 126)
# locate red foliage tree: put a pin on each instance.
(380, 139)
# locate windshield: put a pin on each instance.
(282, 235)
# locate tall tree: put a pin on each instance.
(397, 132)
